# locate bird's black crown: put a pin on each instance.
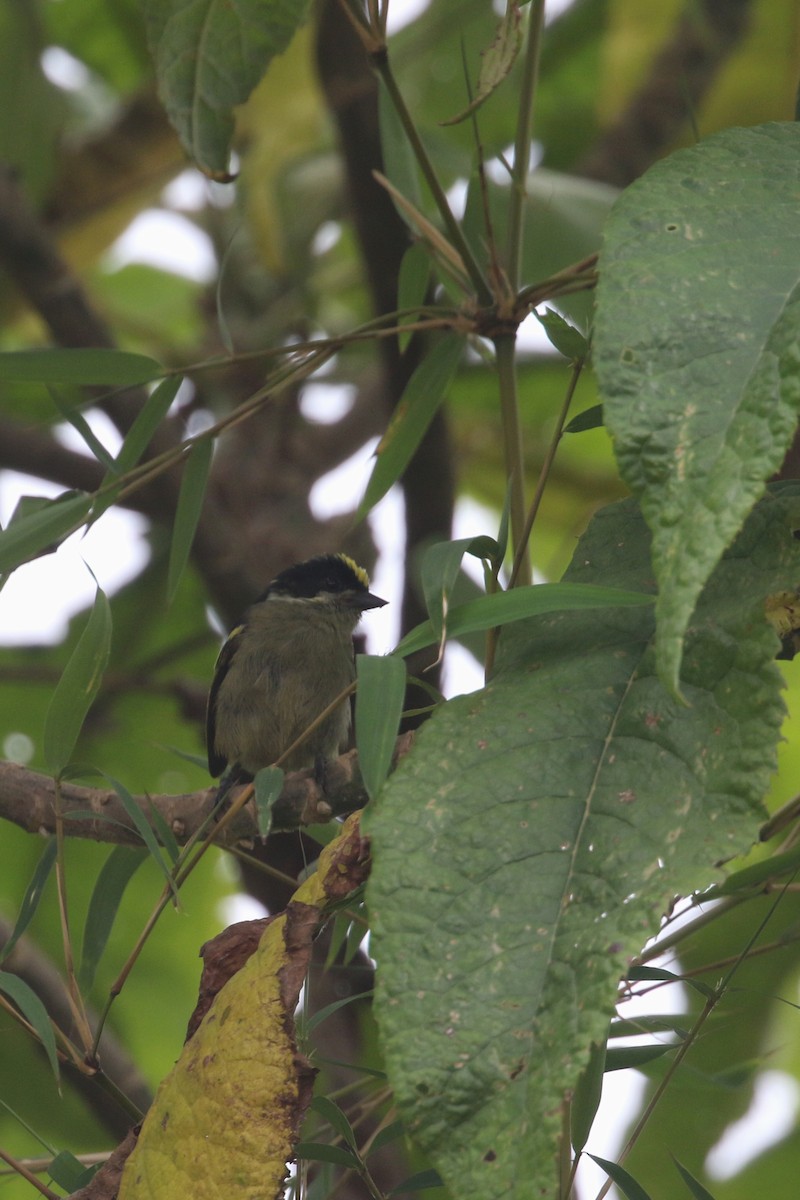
(331, 573)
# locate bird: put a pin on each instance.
(288, 659)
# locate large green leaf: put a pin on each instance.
(526, 848)
(209, 55)
(697, 348)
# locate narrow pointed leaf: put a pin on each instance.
(147, 422)
(73, 415)
(503, 608)
(590, 418)
(629, 1187)
(322, 1152)
(496, 60)
(333, 1115)
(441, 564)
(267, 787)
(425, 391)
(33, 894)
(115, 874)
(190, 504)
(379, 706)
(694, 1185)
(41, 531)
(78, 686)
(143, 828)
(34, 1012)
(412, 285)
(568, 340)
(586, 1097)
(697, 348)
(114, 368)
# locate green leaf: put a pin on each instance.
(267, 787)
(441, 564)
(425, 391)
(41, 531)
(590, 418)
(540, 827)
(140, 434)
(586, 1097)
(317, 1018)
(412, 285)
(190, 504)
(78, 686)
(379, 706)
(568, 340)
(112, 368)
(143, 828)
(72, 414)
(622, 1178)
(33, 894)
(419, 1182)
(34, 1013)
(695, 1187)
(622, 1058)
(399, 164)
(209, 55)
(115, 874)
(697, 349)
(384, 1137)
(333, 1116)
(69, 1172)
(496, 60)
(322, 1152)
(503, 608)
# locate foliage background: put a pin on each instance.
(90, 158)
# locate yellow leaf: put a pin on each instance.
(224, 1122)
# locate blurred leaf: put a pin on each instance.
(586, 1097)
(116, 873)
(425, 391)
(317, 1018)
(69, 1172)
(379, 706)
(268, 784)
(622, 1058)
(415, 274)
(399, 164)
(33, 894)
(419, 1182)
(114, 368)
(190, 504)
(695, 1187)
(72, 414)
(568, 340)
(34, 1013)
(78, 686)
(144, 830)
(441, 564)
(41, 530)
(503, 608)
(333, 1115)
(322, 1152)
(496, 60)
(696, 350)
(208, 57)
(622, 1178)
(590, 418)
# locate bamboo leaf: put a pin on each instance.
(190, 504)
(34, 1013)
(379, 706)
(115, 874)
(114, 368)
(78, 686)
(425, 391)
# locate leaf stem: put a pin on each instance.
(522, 143)
(483, 291)
(505, 345)
(547, 465)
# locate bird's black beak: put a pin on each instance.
(367, 600)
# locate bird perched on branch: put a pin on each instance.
(290, 657)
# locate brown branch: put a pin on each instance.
(681, 75)
(27, 799)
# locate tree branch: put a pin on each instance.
(28, 800)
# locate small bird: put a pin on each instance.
(291, 656)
